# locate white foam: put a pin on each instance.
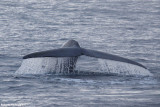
(120, 68)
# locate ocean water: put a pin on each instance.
(128, 28)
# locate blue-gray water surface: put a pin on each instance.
(128, 28)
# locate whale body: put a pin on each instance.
(70, 52)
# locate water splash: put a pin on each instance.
(37, 66)
(120, 68)
(64, 66)
(46, 65)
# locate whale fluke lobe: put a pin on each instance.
(72, 51)
(61, 52)
(102, 55)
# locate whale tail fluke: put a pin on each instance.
(75, 52)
